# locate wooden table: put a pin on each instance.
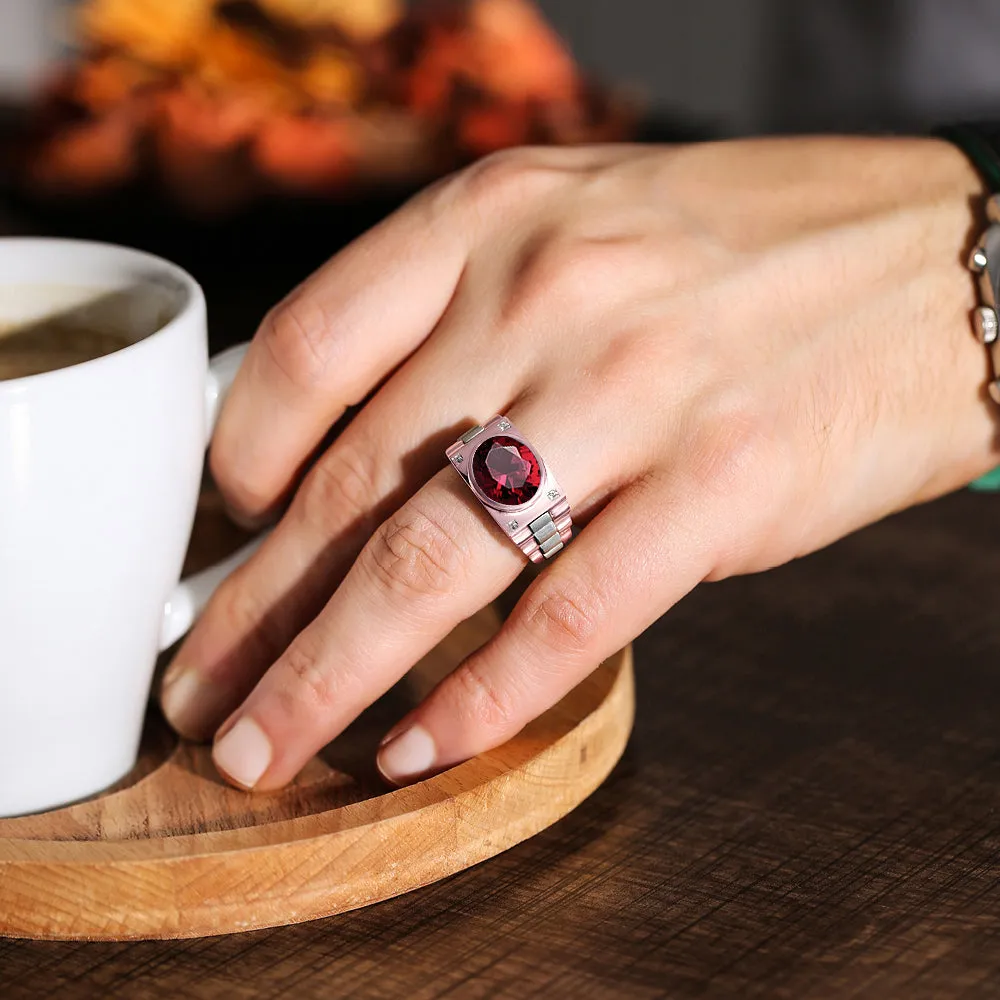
(810, 807)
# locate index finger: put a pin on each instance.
(435, 562)
(329, 343)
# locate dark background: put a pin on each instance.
(741, 65)
(747, 66)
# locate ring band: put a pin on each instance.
(510, 480)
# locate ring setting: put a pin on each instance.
(514, 485)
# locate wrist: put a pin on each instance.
(968, 418)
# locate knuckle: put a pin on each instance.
(628, 363)
(487, 705)
(562, 268)
(734, 453)
(234, 609)
(296, 339)
(341, 487)
(564, 617)
(505, 178)
(239, 612)
(244, 487)
(306, 682)
(744, 471)
(549, 270)
(416, 554)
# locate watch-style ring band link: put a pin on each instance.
(547, 534)
(471, 433)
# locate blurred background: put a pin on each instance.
(220, 132)
(741, 65)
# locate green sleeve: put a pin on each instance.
(988, 483)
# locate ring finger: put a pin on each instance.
(432, 564)
(357, 483)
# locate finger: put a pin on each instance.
(330, 342)
(387, 453)
(339, 334)
(431, 565)
(637, 558)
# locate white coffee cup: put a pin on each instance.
(100, 469)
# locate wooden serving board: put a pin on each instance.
(172, 851)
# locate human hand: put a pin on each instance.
(730, 355)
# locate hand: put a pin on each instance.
(730, 355)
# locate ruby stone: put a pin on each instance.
(506, 471)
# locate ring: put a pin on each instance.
(515, 486)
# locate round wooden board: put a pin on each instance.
(172, 851)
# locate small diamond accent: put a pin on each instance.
(457, 459)
(512, 525)
(553, 494)
(504, 425)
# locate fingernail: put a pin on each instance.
(244, 753)
(408, 755)
(192, 705)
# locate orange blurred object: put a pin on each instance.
(486, 130)
(504, 49)
(88, 156)
(230, 59)
(332, 78)
(203, 121)
(520, 57)
(362, 20)
(223, 100)
(108, 82)
(153, 31)
(198, 144)
(305, 154)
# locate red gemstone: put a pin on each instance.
(506, 471)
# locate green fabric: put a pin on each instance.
(977, 148)
(987, 484)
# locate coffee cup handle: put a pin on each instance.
(191, 595)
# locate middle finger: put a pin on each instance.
(428, 567)
(390, 449)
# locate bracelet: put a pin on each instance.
(984, 262)
(980, 141)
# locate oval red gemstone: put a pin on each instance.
(506, 471)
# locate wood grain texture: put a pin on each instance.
(809, 808)
(173, 851)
